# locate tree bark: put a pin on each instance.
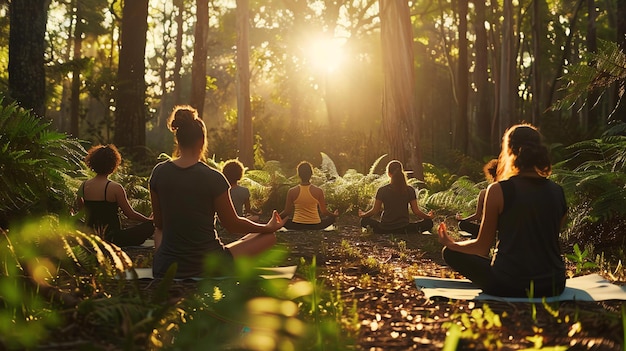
(178, 62)
(198, 66)
(480, 144)
(244, 110)
(130, 111)
(27, 76)
(76, 71)
(400, 123)
(591, 114)
(507, 70)
(461, 139)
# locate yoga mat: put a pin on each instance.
(286, 272)
(591, 287)
(330, 228)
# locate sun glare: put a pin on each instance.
(325, 54)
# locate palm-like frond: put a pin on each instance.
(597, 72)
(33, 161)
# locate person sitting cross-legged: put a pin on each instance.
(240, 195)
(394, 200)
(307, 204)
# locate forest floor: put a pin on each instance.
(377, 273)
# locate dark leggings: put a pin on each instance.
(326, 221)
(478, 270)
(470, 227)
(132, 236)
(411, 228)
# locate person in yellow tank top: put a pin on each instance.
(307, 204)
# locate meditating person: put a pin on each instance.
(186, 195)
(307, 204)
(393, 200)
(102, 198)
(240, 195)
(471, 223)
(526, 210)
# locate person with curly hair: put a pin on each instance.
(102, 198)
(239, 194)
(523, 215)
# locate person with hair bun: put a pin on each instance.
(525, 211)
(307, 204)
(186, 195)
(102, 198)
(393, 200)
(471, 223)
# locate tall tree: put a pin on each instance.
(178, 62)
(399, 120)
(480, 145)
(130, 110)
(506, 82)
(620, 112)
(198, 66)
(462, 82)
(244, 109)
(536, 64)
(76, 79)
(592, 115)
(27, 76)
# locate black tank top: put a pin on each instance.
(102, 215)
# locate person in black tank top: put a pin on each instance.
(102, 198)
(523, 214)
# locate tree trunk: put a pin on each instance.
(400, 123)
(198, 66)
(178, 62)
(244, 110)
(462, 81)
(620, 112)
(130, 111)
(75, 91)
(507, 70)
(536, 65)
(592, 121)
(27, 76)
(480, 144)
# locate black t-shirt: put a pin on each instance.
(395, 213)
(528, 230)
(186, 197)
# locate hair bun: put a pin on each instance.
(183, 117)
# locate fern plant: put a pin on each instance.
(33, 162)
(596, 72)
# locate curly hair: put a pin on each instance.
(103, 159)
(233, 171)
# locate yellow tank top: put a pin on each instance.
(305, 207)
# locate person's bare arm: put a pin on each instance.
(416, 211)
(235, 224)
(378, 205)
(319, 195)
(122, 202)
(494, 202)
(291, 196)
(157, 218)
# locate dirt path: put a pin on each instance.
(376, 271)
